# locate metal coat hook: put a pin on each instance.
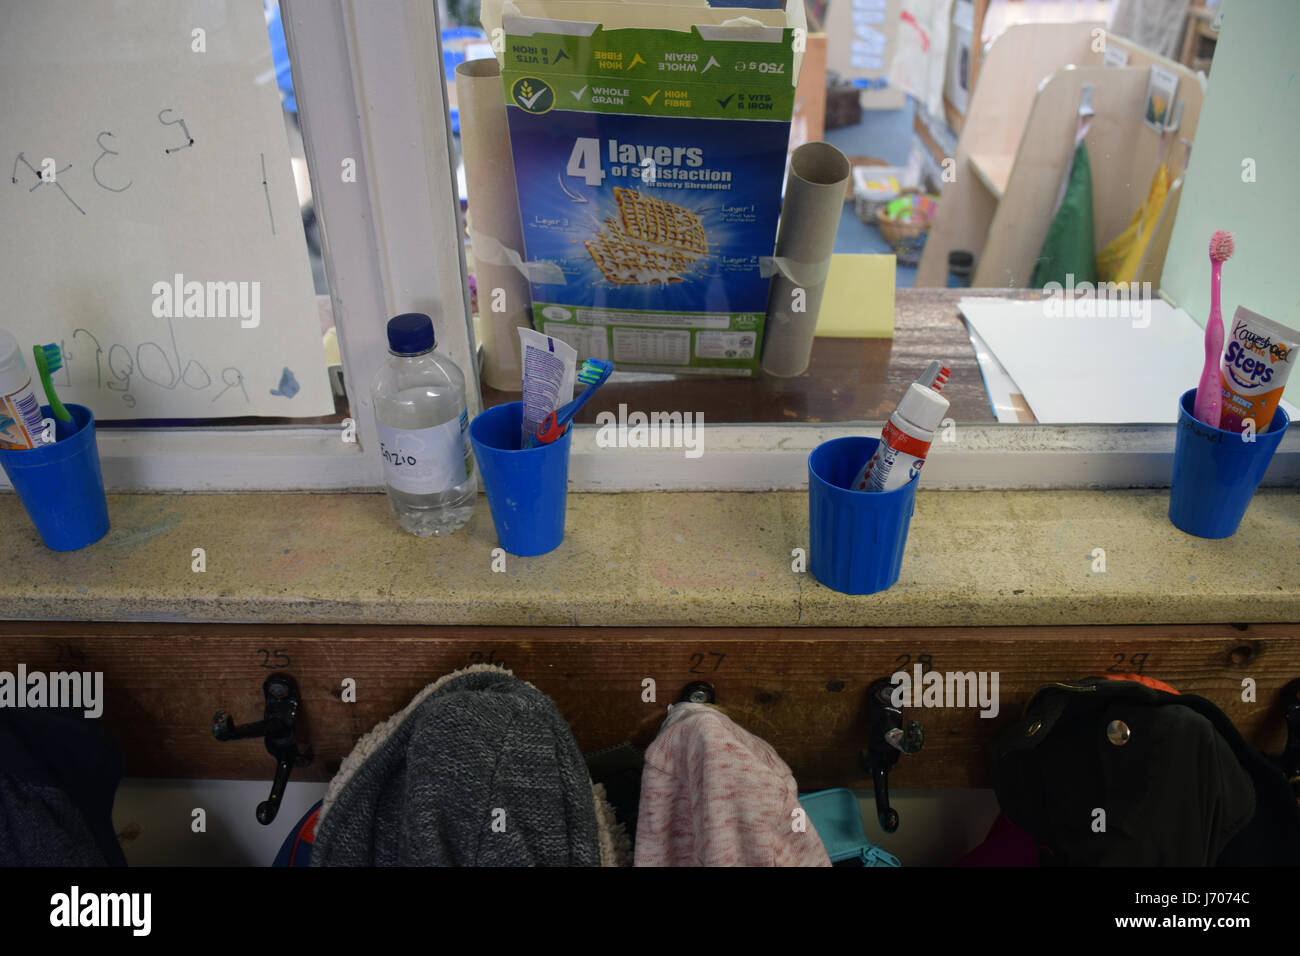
(888, 736)
(698, 692)
(276, 726)
(1085, 101)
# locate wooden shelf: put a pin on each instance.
(1199, 38)
(802, 690)
(846, 380)
(993, 170)
(1018, 140)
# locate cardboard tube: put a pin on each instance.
(494, 212)
(814, 202)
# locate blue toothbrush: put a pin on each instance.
(593, 374)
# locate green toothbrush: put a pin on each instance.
(49, 360)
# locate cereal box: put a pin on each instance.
(649, 143)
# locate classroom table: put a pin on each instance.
(847, 379)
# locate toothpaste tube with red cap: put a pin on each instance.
(906, 437)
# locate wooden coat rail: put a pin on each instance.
(803, 690)
(1019, 135)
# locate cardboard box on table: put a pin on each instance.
(649, 144)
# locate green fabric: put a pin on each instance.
(1069, 248)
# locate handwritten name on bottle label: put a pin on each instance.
(423, 461)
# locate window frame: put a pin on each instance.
(369, 82)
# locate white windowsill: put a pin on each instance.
(735, 458)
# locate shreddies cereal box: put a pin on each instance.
(649, 143)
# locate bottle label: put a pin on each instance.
(423, 461)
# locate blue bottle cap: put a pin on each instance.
(410, 333)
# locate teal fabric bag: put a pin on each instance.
(1069, 248)
(837, 818)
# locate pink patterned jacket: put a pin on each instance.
(713, 794)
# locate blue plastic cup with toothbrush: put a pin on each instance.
(856, 538)
(49, 453)
(1216, 472)
(527, 488)
(60, 483)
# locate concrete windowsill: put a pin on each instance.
(973, 558)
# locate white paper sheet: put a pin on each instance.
(997, 383)
(164, 131)
(867, 61)
(1084, 368)
(919, 62)
(963, 15)
(869, 40)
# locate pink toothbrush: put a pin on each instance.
(1209, 393)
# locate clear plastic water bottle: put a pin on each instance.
(419, 399)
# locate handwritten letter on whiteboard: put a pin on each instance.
(148, 219)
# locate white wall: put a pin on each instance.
(1249, 115)
(938, 826)
(153, 821)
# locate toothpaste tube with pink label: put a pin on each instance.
(1257, 359)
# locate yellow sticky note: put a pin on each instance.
(859, 298)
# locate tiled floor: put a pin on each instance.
(887, 135)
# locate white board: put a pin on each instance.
(1090, 369)
(167, 161)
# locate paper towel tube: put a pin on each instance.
(493, 211)
(814, 202)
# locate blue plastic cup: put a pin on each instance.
(856, 537)
(61, 485)
(527, 488)
(1216, 472)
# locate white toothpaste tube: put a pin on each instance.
(21, 425)
(904, 441)
(906, 437)
(550, 365)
